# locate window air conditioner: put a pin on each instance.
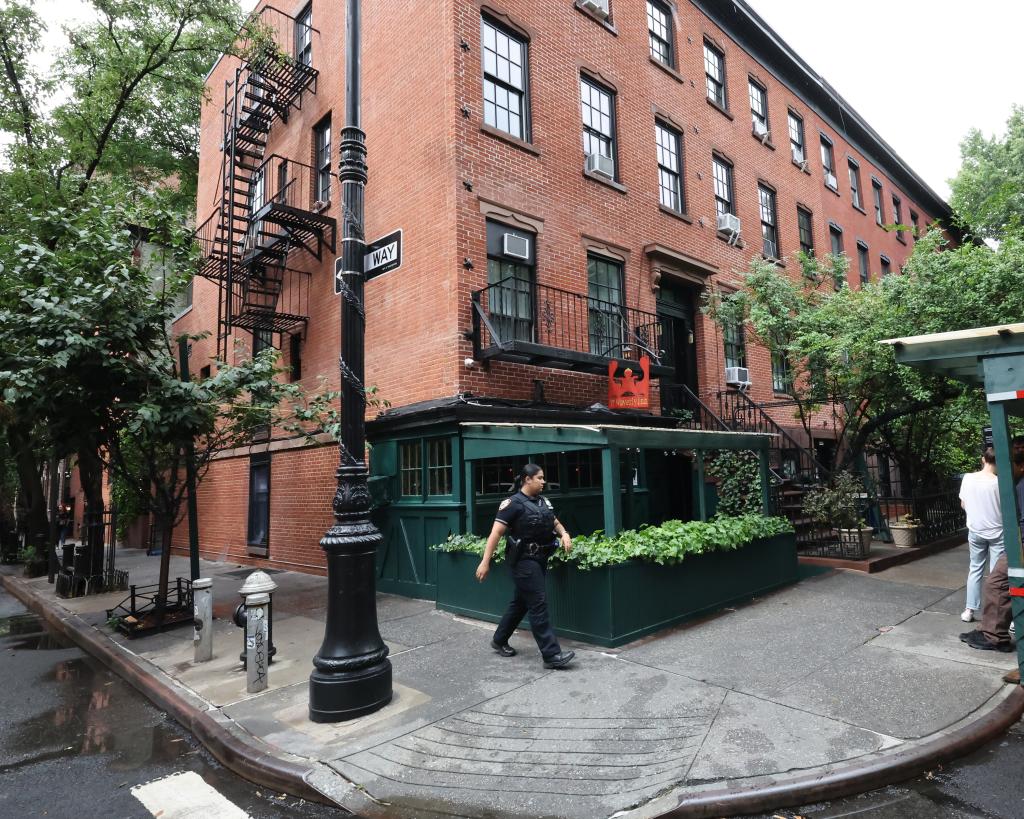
(518, 247)
(599, 7)
(738, 376)
(601, 164)
(798, 155)
(729, 223)
(830, 180)
(761, 131)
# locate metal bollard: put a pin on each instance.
(257, 641)
(202, 603)
(258, 582)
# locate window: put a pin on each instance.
(714, 72)
(659, 28)
(758, 108)
(259, 500)
(897, 217)
(604, 305)
(723, 186)
(598, 119)
(204, 372)
(322, 159)
(184, 300)
(835, 234)
(735, 344)
(862, 263)
(828, 163)
(295, 357)
(511, 284)
(855, 184)
(505, 102)
(780, 372)
(915, 228)
(769, 222)
(410, 468)
(496, 476)
(304, 36)
(876, 190)
(805, 227)
(886, 265)
(439, 466)
(583, 468)
(262, 339)
(796, 137)
(670, 177)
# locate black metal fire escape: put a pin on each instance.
(268, 212)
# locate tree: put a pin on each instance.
(75, 174)
(988, 191)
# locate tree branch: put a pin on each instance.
(11, 70)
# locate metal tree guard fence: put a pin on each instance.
(88, 567)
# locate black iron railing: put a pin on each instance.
(680, 402)
(515, 311)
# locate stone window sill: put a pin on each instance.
(508, 139)
(597, 18)
(723, 111)
(675, 214)
(725, 237)
(611, 183)
(667, 69)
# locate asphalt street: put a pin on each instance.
(78, 742)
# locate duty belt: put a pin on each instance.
(534, 549)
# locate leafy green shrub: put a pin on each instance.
(739, 481)
(666, 544)
(837, 505)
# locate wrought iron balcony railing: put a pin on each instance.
(519, 320)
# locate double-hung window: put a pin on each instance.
(322, 158)
(835, 235)
(304, 36)
(805, 227)
(734, 339)
(597, 106)
(862, 263)
(604, 302)
(714, 73)
(897, 217)
(505, 80)
(659, 29)
(722, 171)
(410, 468)
(670, 167)
(876, 191)
(769, 222)
(781, 380)
(915, 228)
(828, 162)
(797, 145)
(758, 109)
(886, 265)
(258, 529)
(510, 279)
(855, 184)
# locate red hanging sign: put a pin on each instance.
(629, 384)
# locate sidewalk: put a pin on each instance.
(842, 683)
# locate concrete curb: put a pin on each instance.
(229, 745)
(859, 777)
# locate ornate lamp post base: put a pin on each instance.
(343, 695)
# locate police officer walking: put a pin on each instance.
(529, 524)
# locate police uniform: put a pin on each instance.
(530, 540)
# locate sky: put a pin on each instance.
(921, 72)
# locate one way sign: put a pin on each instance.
(381, 256)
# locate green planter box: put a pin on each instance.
(613, 605)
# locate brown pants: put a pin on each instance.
(996, 612)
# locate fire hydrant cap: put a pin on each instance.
(256, 583)
(202, 583)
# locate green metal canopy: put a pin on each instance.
(991, 358)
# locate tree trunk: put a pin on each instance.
(90, 471)
(37, 522)
(165, 529)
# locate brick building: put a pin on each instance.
(569, 178)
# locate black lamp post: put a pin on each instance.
(352, 674)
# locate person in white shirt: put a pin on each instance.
(979, 496)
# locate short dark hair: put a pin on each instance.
(989, 456)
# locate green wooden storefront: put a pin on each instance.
(443, 469)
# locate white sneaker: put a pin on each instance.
(967, 616)
(1013, 628)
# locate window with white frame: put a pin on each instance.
(714, 73)
(670, 187)
(659, 28)
(505, 80)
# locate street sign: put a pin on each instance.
(381, 256)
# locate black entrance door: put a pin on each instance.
(676, 311)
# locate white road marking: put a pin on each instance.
(185, 796)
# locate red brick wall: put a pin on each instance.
(424, 155)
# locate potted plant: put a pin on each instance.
(35, 562)
(904, 530)
(838, 506)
